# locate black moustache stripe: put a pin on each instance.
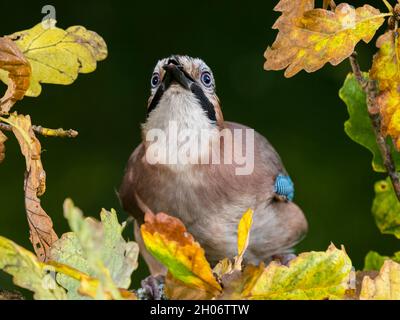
(156, 99)
(205, 103)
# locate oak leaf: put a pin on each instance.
(17, 70)
(89, 286)
(386, 286)
(359, 127)
(57, 56)
(167, 239)
(244, 227)
(386, 70)
(386, 208)
(310, 276)
(42, 235)
(226, 266)
(97, 249)
(28, 272)
(319, 36)
(292, 11)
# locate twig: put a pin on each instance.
(370, 88)
(61, 133)
(332, 4)
(357, 70)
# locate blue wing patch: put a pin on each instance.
(284, 187)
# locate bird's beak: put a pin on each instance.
(175, 73)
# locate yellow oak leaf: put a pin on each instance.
(386, 286)
(320, 36)
(226, 266)
(310, 276)
(244, 231)
(167, 239)
(28, 272)
(57, 56)
(244, 227)
(386, 70)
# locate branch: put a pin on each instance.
(46, 132)
(370, 88)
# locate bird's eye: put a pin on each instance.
(206, 79)
(155, 80)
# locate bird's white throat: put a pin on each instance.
(178, 132)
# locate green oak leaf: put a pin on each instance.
(97, 249)
(359, 127)
(374, 261)
(386, 208)
(28, 272)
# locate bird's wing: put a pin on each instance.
(268, 166)
(127, 193)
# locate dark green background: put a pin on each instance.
(303, 117)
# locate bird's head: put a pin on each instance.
(183, 90)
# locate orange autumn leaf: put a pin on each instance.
(167, 239)
(386, 70)
(291, 11)
(14, 62)
(318, 36)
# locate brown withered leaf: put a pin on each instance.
(386, 70)
(3, 139)
(14, 62)
(291, 11)
(307, 40)
(42, 235)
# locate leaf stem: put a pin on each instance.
(46, 132)
(388, 5)
(370, 88)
